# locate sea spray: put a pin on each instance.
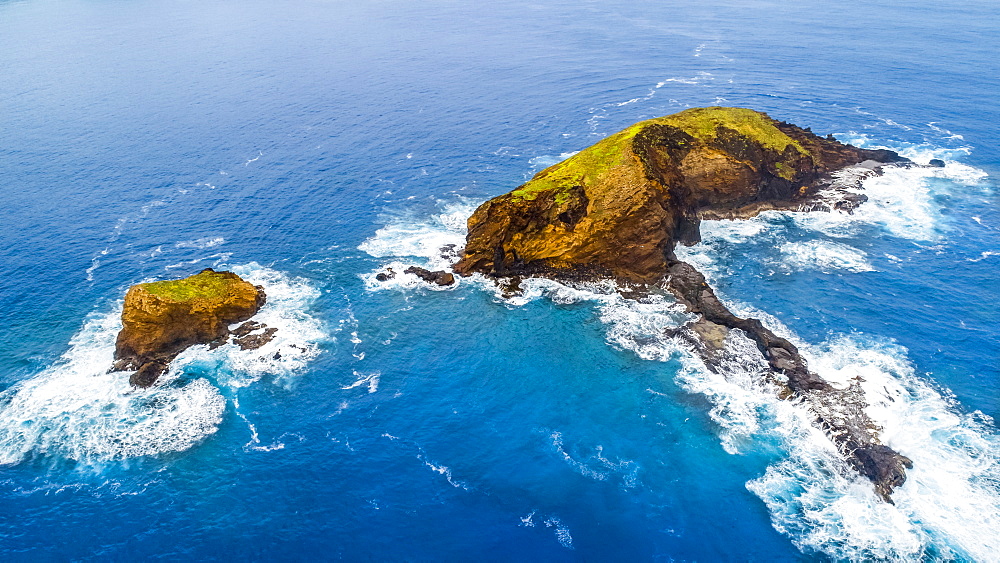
(295, 344)
(75, 409)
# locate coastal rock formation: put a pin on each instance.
(838, 411)
(618, 208)
(439, 277)
(161, 319)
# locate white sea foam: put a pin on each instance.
(983, 256)
(76, 410)
(953, 490)
(901, 201)
(563, 536)
(948, 507)
(823, 255)
(294, 345)
(407, 237)
(699, 78)
(367, 380)
(443, 470)
(201, 243)
(596, 466)
(951, 500)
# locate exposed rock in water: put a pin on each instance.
(510, 286)
(243, 335)
(387, 275)
(618, 208)
(936, 163)
(838, 411)
(439, 277)
(162, 319)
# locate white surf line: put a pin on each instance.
(254, 159)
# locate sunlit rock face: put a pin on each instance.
(618, 207)
(161, 319)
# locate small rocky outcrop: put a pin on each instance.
(387, 275)
(162, 319)
(618, 208)
(252, 335)
(439, 277)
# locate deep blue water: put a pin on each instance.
(310, 144)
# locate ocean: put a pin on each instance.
(309, 145)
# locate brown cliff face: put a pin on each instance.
(161, 319)
(618, 207)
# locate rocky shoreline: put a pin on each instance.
(618, 208)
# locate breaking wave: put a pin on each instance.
(949, 508)
(76, 410)
(825, 256)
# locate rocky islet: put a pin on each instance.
(162, 319)
(618, 208)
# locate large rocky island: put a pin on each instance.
(618, 208)
(162, 319)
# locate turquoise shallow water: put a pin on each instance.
(307, 146)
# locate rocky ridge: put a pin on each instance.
(618, 208)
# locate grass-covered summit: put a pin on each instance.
(702, 124)
(207, 284)
(617, 207)
(161, 319)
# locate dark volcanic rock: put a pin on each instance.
(936, 163)
(254, 341)
(244, 336)
(618, 208)
(839, 412)
(161, 319)
(439, 277)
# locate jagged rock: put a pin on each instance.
(243, 335)
(254, 341)
(618, 208)
(161, 319)
(246, 328)
(387, 275)
(854, 433)
(450, 252)
(439, 277)
(510, 286)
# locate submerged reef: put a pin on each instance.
(162, 319)
(618, 208)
